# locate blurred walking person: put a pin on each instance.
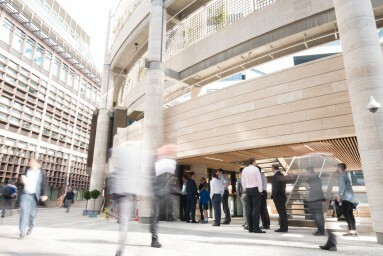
(252, 183)
(34, 190)
(265, 217)
(69, 199)
(225, 197)
(8, 193)
(216, 192)
(346, 199)
(315, 200)
(192, 196)
(200, 187)
(278, 194)
(242, 196)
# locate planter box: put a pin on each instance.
(92, 214)
(85, 212)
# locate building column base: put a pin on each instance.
(379, 237)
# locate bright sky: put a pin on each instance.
(92, 16)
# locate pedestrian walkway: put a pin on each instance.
(59, 234)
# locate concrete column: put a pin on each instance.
(363, 63)
(153, 108)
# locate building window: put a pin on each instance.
(5, 31)
(70, 77)
(18, 40)
(94, 95)
(76, 82)
(88, 91)
(47, 60)
(63, 73)
(83, 88)
(56, 67)
(29, 47)
(39, 55)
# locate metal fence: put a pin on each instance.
(216, 15)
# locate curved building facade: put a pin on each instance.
(161, 50)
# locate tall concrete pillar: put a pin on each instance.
(103, 123)
(363, 63)
(153, 109)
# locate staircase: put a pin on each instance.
(298, 214)
(266, 165)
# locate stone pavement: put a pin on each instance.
(59, 234)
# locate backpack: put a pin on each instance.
(7, 192)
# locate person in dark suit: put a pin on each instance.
(192, 195)
(315, 200)
(69, 199)
(34, 190)
(279, 197)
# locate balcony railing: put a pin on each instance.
(214, 16)
(124, 11)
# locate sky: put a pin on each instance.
(92, 16)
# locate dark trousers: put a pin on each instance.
(190, 209)
(281, 209)
(183, 203)
(253, 208)
(316, 210)
(225, 206)
(264, 212)
(216, 201)
(7, 204)
(201, 211)
(348, 212)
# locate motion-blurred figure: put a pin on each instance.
(8, 193)
(315, 200)
(331, 242)
(69, 199)
(34, 190)
(164, 166)
(278, 194)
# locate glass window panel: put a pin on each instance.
(70, 77)
(83, 88)
(3, 116)
(39, 55)
(15, 120)
(63, 73)
(56, 67)
(88, 91)
(16, 113)
(13, 65)
(5, 31)
(47, 60)
(22, 85)
(5, 100)
(4, 108)
(29, 47)
(17, 105)
(18, 40)
(76, 82)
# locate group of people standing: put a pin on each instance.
(252, 189)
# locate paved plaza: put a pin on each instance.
(59, 234)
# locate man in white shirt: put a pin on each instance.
(225, 196)
(252, 184)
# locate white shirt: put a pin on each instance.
(30, 180)
(216, 187)
(251, 178)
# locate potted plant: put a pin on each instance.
(94, 194)
(87, 197)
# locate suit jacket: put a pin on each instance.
(41, 186)
(191, 189)
(278, 187)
